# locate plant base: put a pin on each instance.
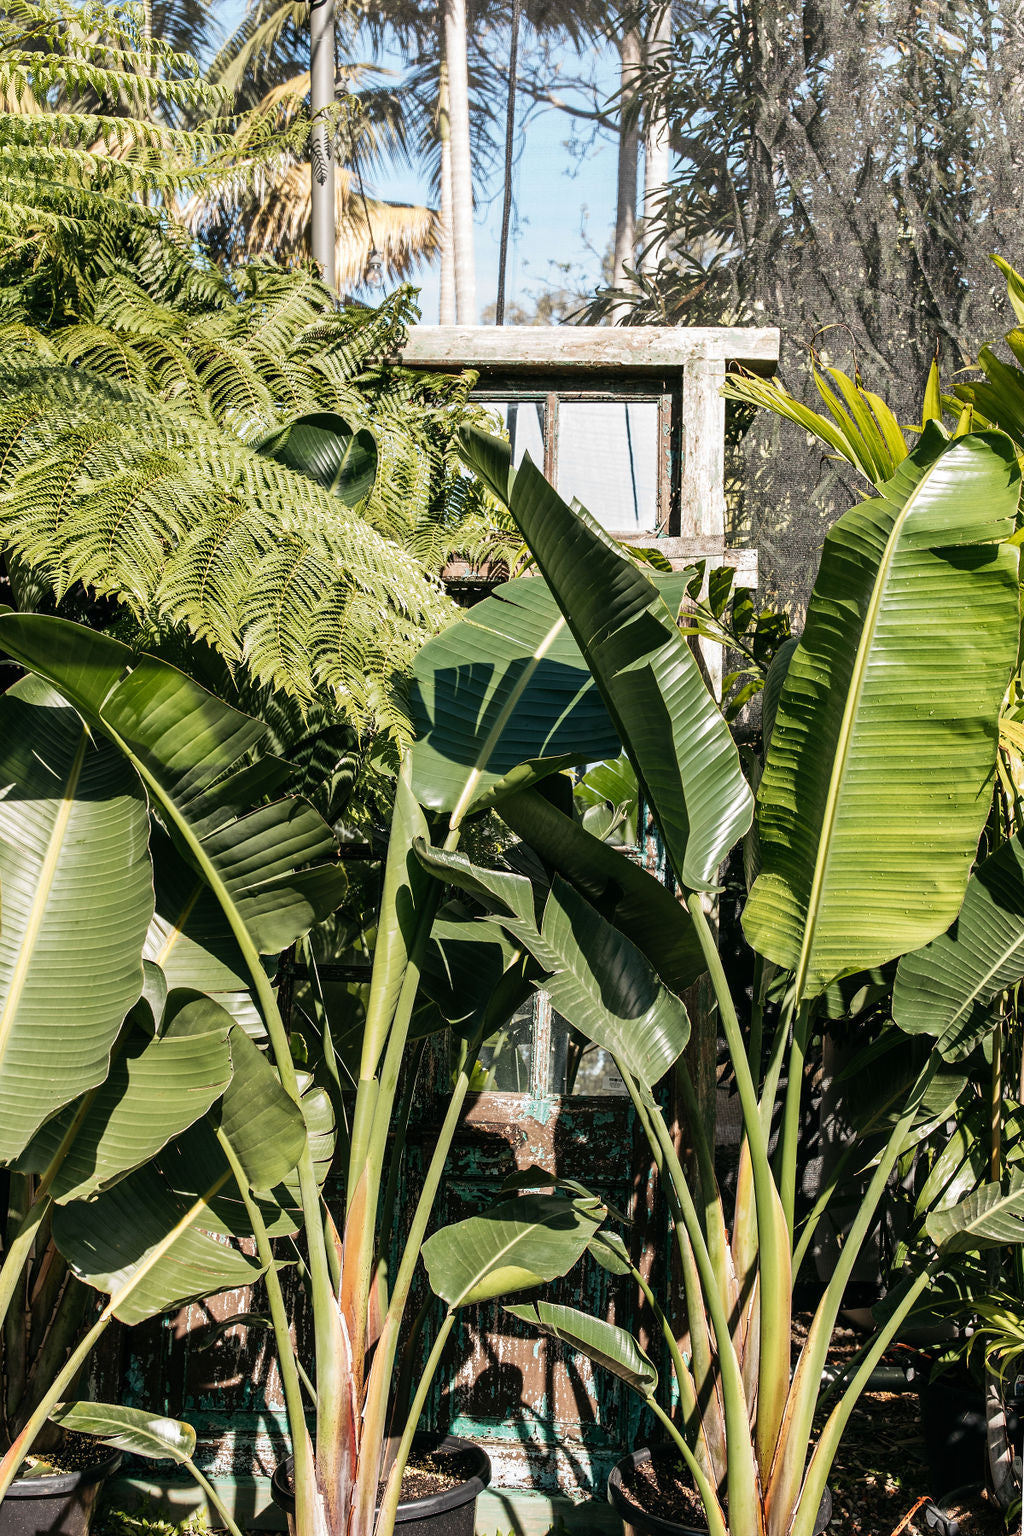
(639, 1522)
(451, 1513)
(58, 1502)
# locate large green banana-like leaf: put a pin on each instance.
(464, 966)
(501, 892)
(148, 1247)
(668, 723)
(155, 1090)
(264, 1126)
(605, 987)
(512, 1247)
(946, 989)
(188, 938)
(633, 900)
(596, 977)
(323, 446)
(138, 1431)
(608, 1346)
(196, 1162)
(77, 897)
(190, 750)
(875, 788)
(988, 1218)
(502, 694)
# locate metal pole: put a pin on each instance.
(322, 74)
(510, 128)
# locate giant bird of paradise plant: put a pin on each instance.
(869, 811)
(883, 723)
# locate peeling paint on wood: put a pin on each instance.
(572, 347)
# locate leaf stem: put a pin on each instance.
(712, 1508)
(23, 1444)
(213, 1496)
(739, 1449)
(302, 1451)
(389, 1504)
(791, 1113)
(774, 1252)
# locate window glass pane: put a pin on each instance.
(608, 460)
(588, 1069)
(505, 1061)
(509, 1060)
(523, 420)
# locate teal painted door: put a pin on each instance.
(547, 1419)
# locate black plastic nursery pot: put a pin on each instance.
(953, 1426)
(941, 1517)
(59, 1502)
(639, 1522)
(449, 1513)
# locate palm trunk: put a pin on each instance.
(444, 133)
(657, 150)
(321, 97)
(629, 146)
(455, 49)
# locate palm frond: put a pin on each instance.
(272, 216)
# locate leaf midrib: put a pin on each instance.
(850, 710)
(41, 896)
(497, 729)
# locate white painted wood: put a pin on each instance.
(703, 483)
(588, 348)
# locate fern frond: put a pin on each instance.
(102, 485)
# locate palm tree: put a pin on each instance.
(265, 67)
(458, 216)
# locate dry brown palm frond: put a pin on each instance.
(271, 219)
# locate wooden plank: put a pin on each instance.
(578, 348)
(685, 551)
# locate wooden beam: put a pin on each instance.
(586, 348)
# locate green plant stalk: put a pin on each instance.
(361, 1239)
(378, 1386)
(403, 1390)
(714, 1216)
(213, 1496)
(389, 1503)
(828, 1442)
(705, 1376)
(389, 1199)
(787, 1476)
(12, 1461)
(770, 1087)
(390, 957)
(19, 1253)
(739, 1450)
(302, 1451)
(684, 1381)
(774, 1252)
(69, 1317)
(762, 971)
(330, 1386)
(20, 1248)
(791, 1113)
(819, 1207)
(712, 1508)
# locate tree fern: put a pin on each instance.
(127, 464)
(112, 142)
(137, 380)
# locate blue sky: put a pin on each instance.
(564, 200)
(563, 210)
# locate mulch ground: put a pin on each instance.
(880, 1477)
